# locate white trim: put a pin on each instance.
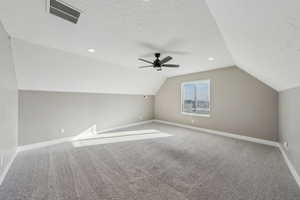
(245, 138)
(43, 144)
(2, 176)
(215, 132)
(182, 97)
(125, 126)
(197, 115)
(221, 133)
(290, 165)
(68, 139)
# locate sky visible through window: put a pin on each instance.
(196, 99)
(199, 89)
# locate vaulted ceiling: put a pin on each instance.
(43, 68)
(261, 37)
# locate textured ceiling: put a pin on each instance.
(263, 37)
(47, 69)
(121, 31)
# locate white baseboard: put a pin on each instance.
(289, 164)
(43, 144)
(125, 126)
(8, 165)
(215, 132)
(221, 133)
(68, 139)
(245, 138)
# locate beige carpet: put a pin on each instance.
(186, 165)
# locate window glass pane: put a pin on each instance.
(196, 98)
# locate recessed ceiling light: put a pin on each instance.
(211, 59)
(91, 50)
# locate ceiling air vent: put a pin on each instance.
(63, 10)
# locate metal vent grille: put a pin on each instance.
(64, 11)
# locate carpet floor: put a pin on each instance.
(188, 165)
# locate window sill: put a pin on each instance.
(196, 115)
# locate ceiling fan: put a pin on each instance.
(158, 64)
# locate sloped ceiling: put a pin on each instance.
(263, 37)
(47, 69)
(122, 31)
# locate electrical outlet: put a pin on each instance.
(193, 121)
(62, 130)
(286, 145)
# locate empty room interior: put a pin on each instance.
(149, 100)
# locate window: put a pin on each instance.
(195, 98)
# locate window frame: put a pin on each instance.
(208, 81)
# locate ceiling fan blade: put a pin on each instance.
(148, 55)
(141, 59)
(146, 66)
(170, 65)
(166, 59)
(177, 52)
(151, 46)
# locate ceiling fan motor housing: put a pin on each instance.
(157, 63)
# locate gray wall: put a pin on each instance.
(289, 124)
(8, 102)
(241, 104)
(42, 115)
